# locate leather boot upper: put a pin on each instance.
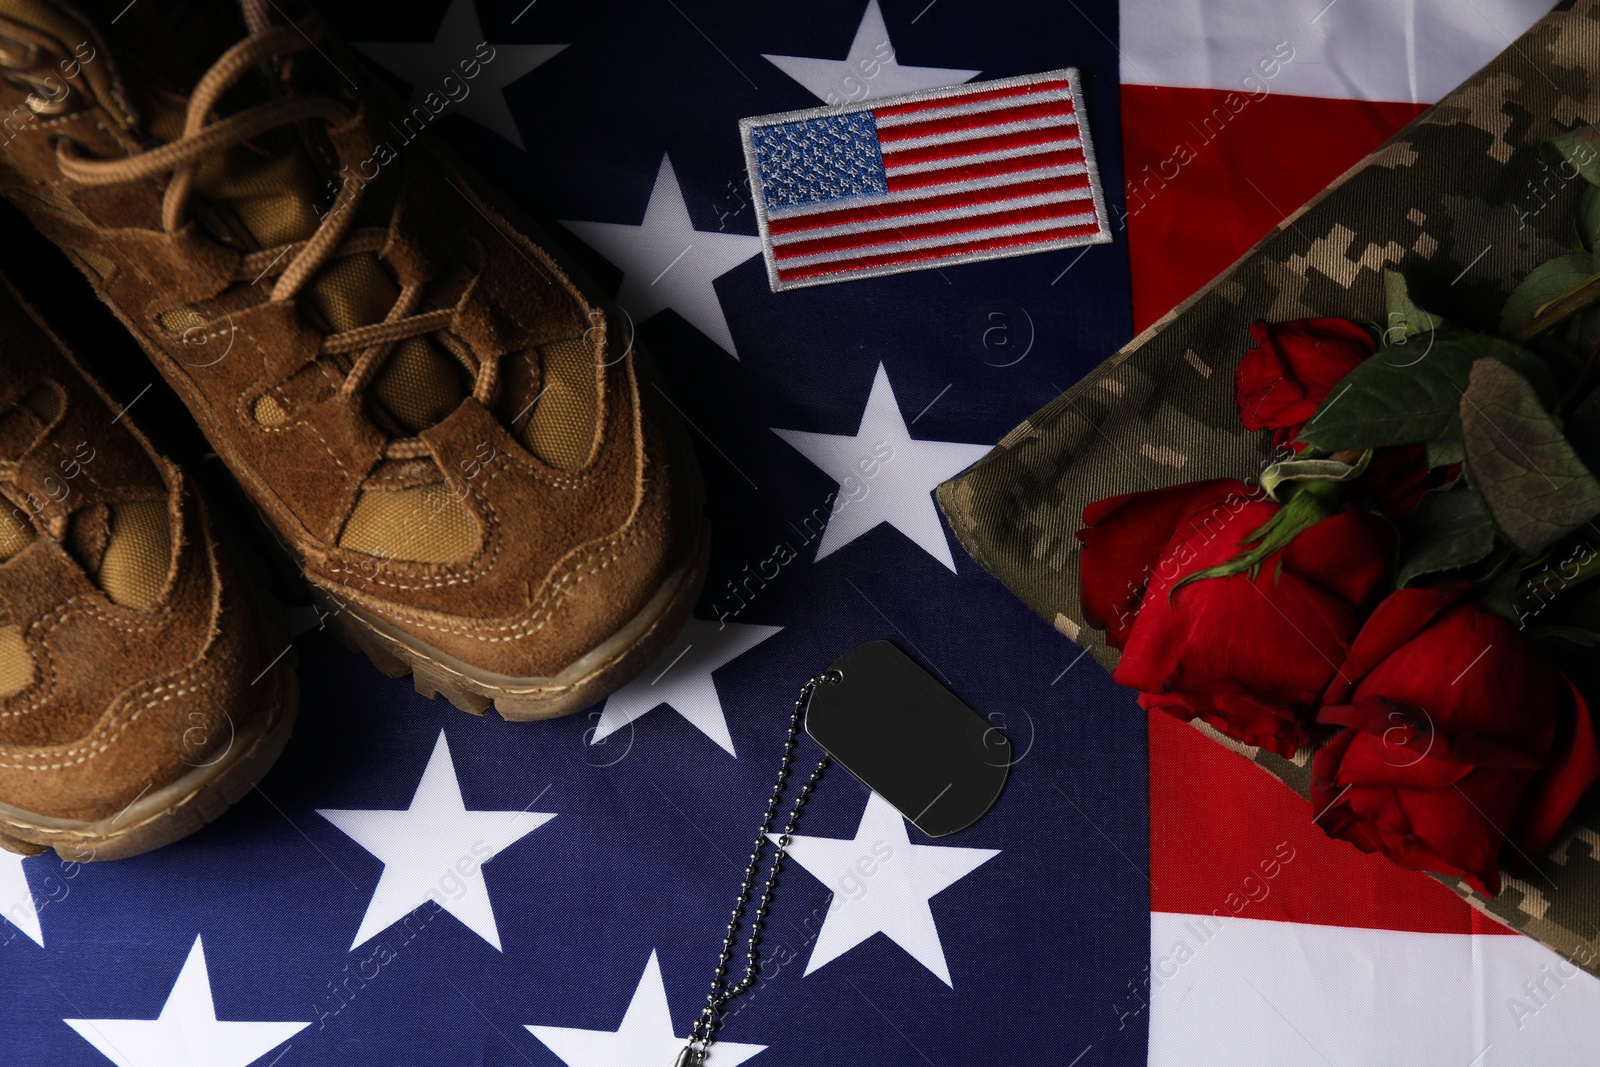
(128, 647)
(443, 428)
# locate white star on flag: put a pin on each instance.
(187, 1033)
(870, 71)
(16, 898)
(646, 1035)
(426, 64)
(900, 492)
(681, 679)
(882, 883)
(434, 850)
(667, 263)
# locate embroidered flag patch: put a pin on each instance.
(942, 176)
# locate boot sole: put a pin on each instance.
(593, 677)
(175, 811)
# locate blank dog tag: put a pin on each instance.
(908, 738)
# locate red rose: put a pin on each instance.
(1462, 734)
(1279, 385)
(1247, 654)
(1124, 537)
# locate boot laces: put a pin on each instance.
(293, 265)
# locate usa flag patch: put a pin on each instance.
(928, 179)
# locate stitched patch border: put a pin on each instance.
(960, 174)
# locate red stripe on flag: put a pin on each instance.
(929, 203)
(1227, 837)
(1191, 161)
(969, 98)
(969, 171)
(953, 149)
(973, 120)
(937, 252)
(964, 224)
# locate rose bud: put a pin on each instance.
(1462, 735)
(1279, 385)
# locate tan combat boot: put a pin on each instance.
(472, 467)
(142, 688)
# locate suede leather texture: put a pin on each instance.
(122, 701)
(564, 558)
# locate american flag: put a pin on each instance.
(589, 939)
(953, 175)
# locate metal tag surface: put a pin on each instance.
(909, 739)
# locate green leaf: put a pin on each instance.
(1534, 369)
(1498, 595)
(1449, 528)
(1445, 451)
(1544, 283)
(1405, 394)
(1405, 318)
(1291, 471)
(1533, 482)
(1574, 301)
(1549, 581)
(1579, 150)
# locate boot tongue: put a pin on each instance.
(15, 535)
(274, 200)
(266, 194)
(124, 546)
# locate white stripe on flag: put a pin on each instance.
(1064, 122)
(979, 157)
(1257, 993)
(1033, 226)
(998, 103)
(923, 192)
(961, 211)
(1410, 51)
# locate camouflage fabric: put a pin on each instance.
(1462, 204)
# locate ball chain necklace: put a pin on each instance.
(703, 1033)
(903, 735)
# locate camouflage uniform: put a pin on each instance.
(1461, 203)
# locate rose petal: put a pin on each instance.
(1349, 554)
(1372, 762)
(1408, 732)
(1574, 769)
(1238, 715)
(1123, 539)
(1463, 825)
(1281, 383)
(1396, 619)
(1208, 635)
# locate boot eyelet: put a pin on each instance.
(18, 55)
(40, 105)
(47, 95)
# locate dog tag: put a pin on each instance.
(908, 738)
